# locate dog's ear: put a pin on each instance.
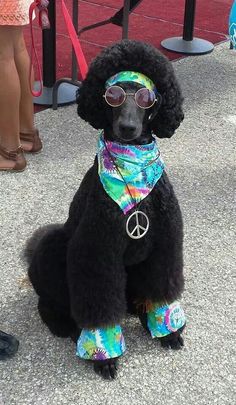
(91, 105)
(169, 114)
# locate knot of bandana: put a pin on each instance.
(139, 168)
(128, 76)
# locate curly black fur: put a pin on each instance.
(88, 272)
(138, 57)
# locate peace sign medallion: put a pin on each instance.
(137, 231)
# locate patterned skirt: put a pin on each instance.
(14, 12)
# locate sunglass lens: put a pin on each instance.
(145, 98)
(115, 96)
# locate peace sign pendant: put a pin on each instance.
(133, 225)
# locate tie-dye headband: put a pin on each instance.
(128, 76)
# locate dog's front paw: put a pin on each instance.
(173, 341)
(106, 368)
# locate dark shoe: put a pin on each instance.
(32, 137)
(8, 345)
(17, 156)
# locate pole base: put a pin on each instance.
(195, 47)
(66, 94)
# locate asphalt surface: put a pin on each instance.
(200, 161)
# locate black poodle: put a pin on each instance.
(121, 248)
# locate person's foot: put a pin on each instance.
(6, 164)
(8, 346)
(30, 141)
(12, 160)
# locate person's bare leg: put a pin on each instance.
(26, 110)
(9, 95)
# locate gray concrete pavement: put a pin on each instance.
(200, 161)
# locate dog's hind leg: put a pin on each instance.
(46, 252)
(58, 320)
(33, 242)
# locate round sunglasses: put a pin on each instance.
(116, 96)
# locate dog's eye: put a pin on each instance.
(115, 96)
(145, 98)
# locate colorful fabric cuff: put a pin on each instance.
(162, 321)
(101, 344)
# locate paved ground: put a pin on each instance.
(200, 162)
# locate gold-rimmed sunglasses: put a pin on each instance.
(116, 96)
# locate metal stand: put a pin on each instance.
(121, 18)
(67, 94)
(187, 44)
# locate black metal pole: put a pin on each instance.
(49, 48)
(51, 94)
(68, 87)
(189, 16)
(125, 27)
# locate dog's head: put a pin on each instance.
(131, 92)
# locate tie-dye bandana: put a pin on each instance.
(166, 319)
(101, 344)
(140, 166)
(128, 76)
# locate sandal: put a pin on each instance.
(17, 156)
(32, 137)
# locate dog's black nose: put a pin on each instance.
(127, 128)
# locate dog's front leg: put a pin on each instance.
(172, 340)
(156, 284)
(106, 368)
(96, 279)
(161, 280)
